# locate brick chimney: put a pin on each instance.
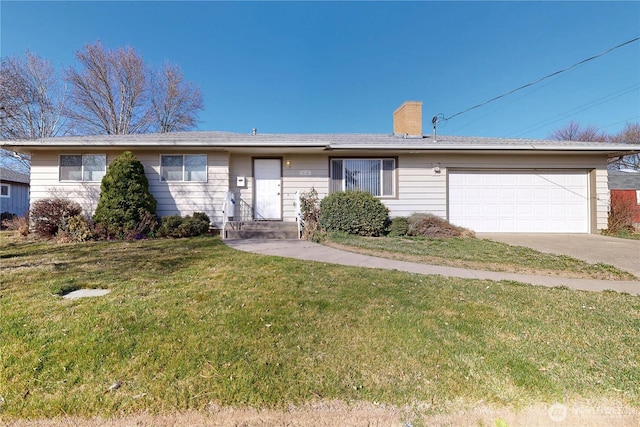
(407, 119)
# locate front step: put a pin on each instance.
(268, 230)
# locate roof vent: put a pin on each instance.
(254, 131)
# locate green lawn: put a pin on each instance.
(191, 321)
(478, 254)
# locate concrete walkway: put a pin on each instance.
(304, 250)
(592, 248)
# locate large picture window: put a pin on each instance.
(183, 167)
(83, 167)
(376, 176)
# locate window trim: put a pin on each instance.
(183, 180)
(394, 174)
(8, 195)
(82, 156)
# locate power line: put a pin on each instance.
(578, 109)
(501, 107)
(545, 77)
(618, 122)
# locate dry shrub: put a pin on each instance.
(18, 224)
(310, 211)
(622, 211)
(49, 214)
(6, 217)
(428, 225)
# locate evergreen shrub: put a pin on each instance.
(399, 226)
(124, 196)
(354, 212)
(189, 226)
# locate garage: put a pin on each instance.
(520, 201)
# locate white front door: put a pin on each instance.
(268, 192)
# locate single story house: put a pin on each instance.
(14, 192)
(485, 184)
(625, 186)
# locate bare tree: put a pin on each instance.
(629, 135)
(575, 132)
(32, 99)
(110, 92)
(175, 104)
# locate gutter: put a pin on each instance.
(622, 150)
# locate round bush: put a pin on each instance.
(354, 212)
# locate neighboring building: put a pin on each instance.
(486, 184)
(14, 192)
(625, 186)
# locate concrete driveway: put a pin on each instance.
(593, 248)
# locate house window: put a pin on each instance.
(638, 197)
(187, 167)
(82, 167)
(376, 176)
(5, 190)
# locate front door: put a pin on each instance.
(268, 192)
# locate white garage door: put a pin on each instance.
(519, 201)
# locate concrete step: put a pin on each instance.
(261, 225)
(268, 230)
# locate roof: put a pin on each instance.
(624, 180)
(231, 140)
(8, 175)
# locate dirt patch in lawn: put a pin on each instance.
(368, 414)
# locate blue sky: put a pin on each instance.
(333, 67)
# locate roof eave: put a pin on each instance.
(33, 145)
(625, 150)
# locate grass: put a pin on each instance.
(480, 254)
(191, 322)
(624, 234)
